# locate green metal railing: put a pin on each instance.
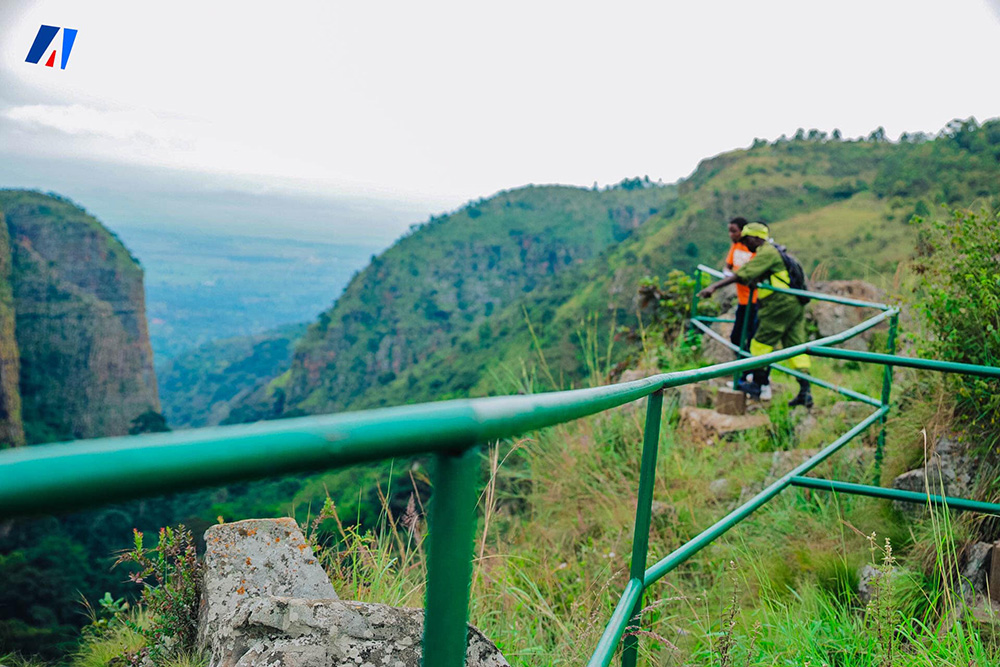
(70, 476)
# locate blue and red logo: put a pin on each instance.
(43, 40)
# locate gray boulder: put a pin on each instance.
(252, 559)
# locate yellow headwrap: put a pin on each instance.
(757, 229)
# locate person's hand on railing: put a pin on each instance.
(707, 292)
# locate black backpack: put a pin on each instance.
(796, 276)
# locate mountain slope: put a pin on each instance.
(82, 346)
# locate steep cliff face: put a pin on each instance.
(11, 426)
(79, 320)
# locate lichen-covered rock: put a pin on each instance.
(293, 632)
(253, 559)
(266, 601)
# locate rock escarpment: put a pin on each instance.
(75, 359)
(266, 601)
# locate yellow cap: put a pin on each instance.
(757, 229)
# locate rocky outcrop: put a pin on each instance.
(266, 601)
(297, 632)
(832, 318)
(705, 424)
(948, 471)
(84, 360)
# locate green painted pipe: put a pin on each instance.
(816, 296)
(452, 525)
(844, 391)
(706, 537)
(706, 318)
(896, 494)
(821, 350)
(643, 515)
(47, 478)
(886, 397)
(616, 626)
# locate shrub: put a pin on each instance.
(960, 304)
(170, 577)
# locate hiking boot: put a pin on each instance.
(765, 392)
(751, 389)
(804, 398)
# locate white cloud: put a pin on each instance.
(133, 124)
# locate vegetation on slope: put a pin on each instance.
(75, 362)
(444, 280)
(199, 387)
(508, 356)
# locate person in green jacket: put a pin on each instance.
(782, 317)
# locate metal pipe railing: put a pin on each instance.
(47, 478)
(896, 494)
(643, 514)
(605, 648)
(821, 350)
(816, 296)
(672, 560)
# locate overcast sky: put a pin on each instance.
(416, 107)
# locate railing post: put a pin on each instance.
(689, 336)
(886, 393)
(643, 511)
(449, 567)
(743, 335)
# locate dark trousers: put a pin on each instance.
(741, 314)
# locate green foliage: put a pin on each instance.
(198, 387)
(107, 618)
(959, 300)
(170, 576)
(667, 305)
